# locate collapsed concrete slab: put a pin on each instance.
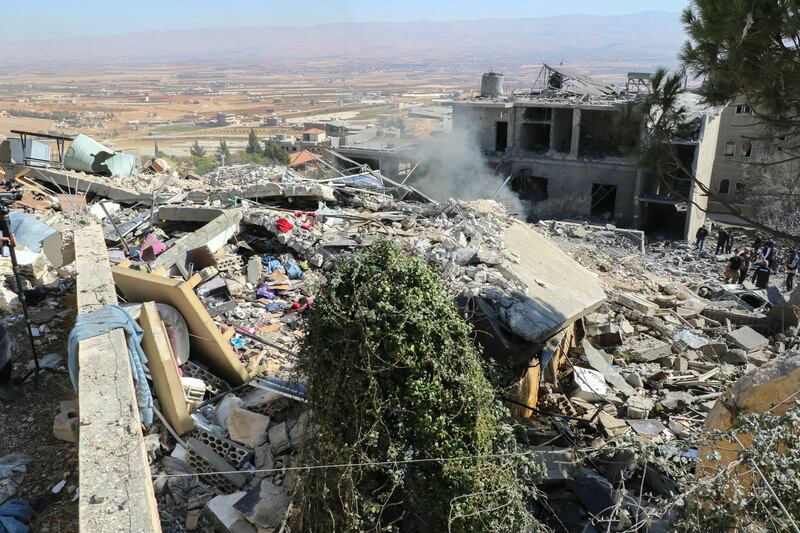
(116, 492)
(211, 236)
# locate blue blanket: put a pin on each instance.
(103, 320)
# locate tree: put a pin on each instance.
(393, 377)
(253, 146)
(197, 150)
(749, 49)
(275, 152)
(223, 154)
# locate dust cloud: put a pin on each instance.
(452, 166)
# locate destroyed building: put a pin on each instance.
(599, 335)
(559, 143)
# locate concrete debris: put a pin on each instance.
(603, 336)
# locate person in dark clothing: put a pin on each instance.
(732, 269)
(729, 243)
(761, 275)
(8, 391)
(744, 266)
(768, 253)
(791, 268)
(722, 239)
(701, 235)
(757, 245)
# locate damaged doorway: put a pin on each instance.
(604, 200)
(501, 137)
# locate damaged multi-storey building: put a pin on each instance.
(561, 145)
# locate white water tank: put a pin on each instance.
(492, 84)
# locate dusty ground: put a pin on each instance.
(26, 425)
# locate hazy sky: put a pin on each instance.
(56, 18)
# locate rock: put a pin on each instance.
(612, 425)
(265, 505)
(681, 364)
(757, 358)
(247, 427)
(226, 517)
(9, 303)
(676, 399)
(734, 357)
(634, 380)
(463, 256)
(638, 408)
(579, 233)
(225, 406)
(747, 339)
(65, 423)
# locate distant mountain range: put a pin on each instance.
(648, 38)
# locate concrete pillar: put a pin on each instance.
(637, 206)
(576, 134)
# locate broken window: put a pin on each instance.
(535, 137)
(538, 114)
(724, 186)
(531, 188)
(743, 110)
(604, 200)
(501, 137)
(730, 148)
(746, 149)
(739, 187)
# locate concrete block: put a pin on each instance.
(265, 505)
(757, 358)
(606, 334)
(225, 517)
(217, 462)
(279, 438)
(735, 357)
(637, 303)
(645, 349)
(638, 408)
(254, 270)
(714, 349)
(747, 339)
(247, 427)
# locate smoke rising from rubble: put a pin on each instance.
(454, 167)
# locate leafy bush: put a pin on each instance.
(394, 376)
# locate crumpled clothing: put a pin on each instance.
(264, 292)
(271, 264)
(283, 225)
(151, 247)
(104, 320)
(293, 270)
(238, 342)
(14, 514)
(13, 468)
(274, 307)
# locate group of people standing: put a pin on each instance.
(764, 255)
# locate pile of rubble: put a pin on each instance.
(626, 341)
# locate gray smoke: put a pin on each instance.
(452, 166)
